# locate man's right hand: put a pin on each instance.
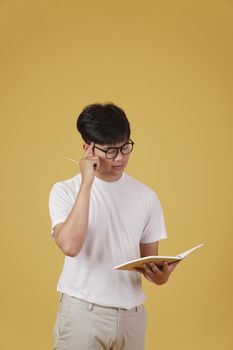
(89, 164)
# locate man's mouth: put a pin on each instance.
(118, 166)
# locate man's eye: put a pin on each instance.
(126, 147)
(111, 151)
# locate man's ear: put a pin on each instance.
(85, 147)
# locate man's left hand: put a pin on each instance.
(155, 274)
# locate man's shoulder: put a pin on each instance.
(68, 184)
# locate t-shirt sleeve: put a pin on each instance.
(155, 228)
(60, 204)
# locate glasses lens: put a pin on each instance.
(111, 153)
(127, 148)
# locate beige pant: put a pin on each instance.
(85, 326)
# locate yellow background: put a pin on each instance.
(168, 64)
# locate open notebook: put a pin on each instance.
(157, 259)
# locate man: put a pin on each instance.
(100, 218)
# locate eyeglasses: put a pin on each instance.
(112, 152)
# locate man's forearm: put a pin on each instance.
(73, 232)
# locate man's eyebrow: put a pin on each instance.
(118, 146)
(108, 147)
(114, 146)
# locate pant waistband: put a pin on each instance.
(90, 305)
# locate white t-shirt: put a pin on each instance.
(122, 214)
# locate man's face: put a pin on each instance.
(111, 167)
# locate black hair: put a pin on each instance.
(104, 124)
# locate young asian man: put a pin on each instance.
(100, 218)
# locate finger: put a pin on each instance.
(95, 162)
(154, 267)
(173, 265)
(87, 161)
(89, 150)
(149, 271)
(146, 275)
(141, 270)
(166, 268)
(94, 159)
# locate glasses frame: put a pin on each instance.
(119, 149)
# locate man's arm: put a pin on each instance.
(148, 249)
(71, 234)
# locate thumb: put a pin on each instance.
(165, 267)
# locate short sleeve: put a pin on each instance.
(60, 204)
(155, 228)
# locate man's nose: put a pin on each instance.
(119, 156)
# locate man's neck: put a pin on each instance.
(108, 178)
